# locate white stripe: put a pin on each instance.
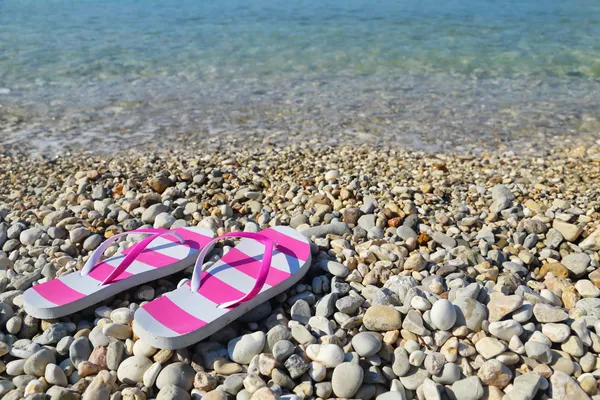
(196, 304)
(136, 267)
(83, 284)
(36, 300)
(171, 249)
(280, 261)
(147, 322)
(232, 277)
(207, 233)
(291, 232)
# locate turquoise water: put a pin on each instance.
(75, 61)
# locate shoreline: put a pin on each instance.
(426, 112)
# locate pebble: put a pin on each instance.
(36, 364)
(500, 306)
(469, 388)
(415, 294)
(131, 370)
(382, 318)
(494, 373)
(55, 376)
(545, 313)
(243, 348)
(443, 314)
(330, 355)
(172, 392)
(366, 344)
(177, 374)
(469, 313)
(505, 330)
(346, 379)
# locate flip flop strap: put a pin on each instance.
(262, 273)
(136, 249)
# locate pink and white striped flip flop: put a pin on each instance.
(161, 254)
(260, 267)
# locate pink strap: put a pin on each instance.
(136, 249)
(262, 273)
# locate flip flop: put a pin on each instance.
(163, 253)
(260, 267)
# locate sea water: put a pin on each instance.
(417, 72)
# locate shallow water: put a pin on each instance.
(429, 74)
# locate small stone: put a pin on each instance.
(153, 211)
(36, 364)
(494, 373)
(346, 379)
(569, 231)
(591, 306)
(573, 346)
(444, 240)
(55, 376)
(557, 269)
(469, 388)
(382, 318)
(131, 370)
(317, 371)
(326, 306)
(584, 287)
(29, 236)
(80, 350)
(114, 355)
(469, 313)
(490, 347)
(242, 349)
(330, 355)
(366, 344)
(92, 242)
(564, 387)
(576, 263)
(400, 364)
(434, 362)
(300, 311)
(253, 382)
(505, 330)
(545, 313)
(414, 378)
(500, 306)
(117, 331)
(160, 184)
(141, 348)
(78, 235)
(87, 368)
(296, 366)
(557, 333)
(177, 374)
(540, 352)
(172, 392)
(415, 262)
(151, 374)
(525, 387)
(282, 350)
(100, 388)
(592, 242)
(443, 314)
(334, 268)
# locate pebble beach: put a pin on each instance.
(433, 275)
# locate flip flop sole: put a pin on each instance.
(183, 317)
(74, 292)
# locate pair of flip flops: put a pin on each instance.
(261, 266)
